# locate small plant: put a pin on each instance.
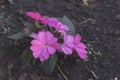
(50, 36)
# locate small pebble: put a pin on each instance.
(118, 16)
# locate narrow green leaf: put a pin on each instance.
(27, 58)
(69, 23)
(49, 65)
(17, 36)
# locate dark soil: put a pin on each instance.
(103, 35)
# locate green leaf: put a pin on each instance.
(17, 36)
(27, 58)
(29, 26)
(69, 23)
(60, 19)
(49, 65)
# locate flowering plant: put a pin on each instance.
(51, 36)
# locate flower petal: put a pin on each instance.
(51, 50)
(45, 53)
(34, 15)
(37, 54)
(81, 45)
(81, 52)
(82, 56)
(77, 39)
(34, 48)
(42, 58)
(64, 27)
(49, 36)
(44, 20)
(53, 22)
(41, 36)
(68, 39)
(62, 31)
(34, 35)
(67, 50)
(36, 42)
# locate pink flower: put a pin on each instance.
(80, 47)
(53, 22)
(67, 45)
(34, 15)
(44, 20)
(43, 45)
(61, 28)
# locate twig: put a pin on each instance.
(62, 73)
(93, 73)
(89, 19)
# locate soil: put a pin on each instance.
(98, 24)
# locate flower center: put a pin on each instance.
(45, 45)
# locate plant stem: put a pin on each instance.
(93, 73)
(36, 23)
(62, 73)
(52, 30)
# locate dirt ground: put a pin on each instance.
(98, 24)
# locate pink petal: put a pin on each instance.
(53, 22)
(83, 56)
(34, 15)
(59, 47)
(67, 50)
(70, 45)
(36, 42)
(68, 39)
(34, 48)
(62, 31)
(49, 36)
(42, 58)
(81, 45)
(51, 50)
(81, 52)
(37, 54)
(61, 28)
(42, 36)
(64, 27)
(51, 40)
(77, 39)
(45, 53)
(34, 35)
(44, 20)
